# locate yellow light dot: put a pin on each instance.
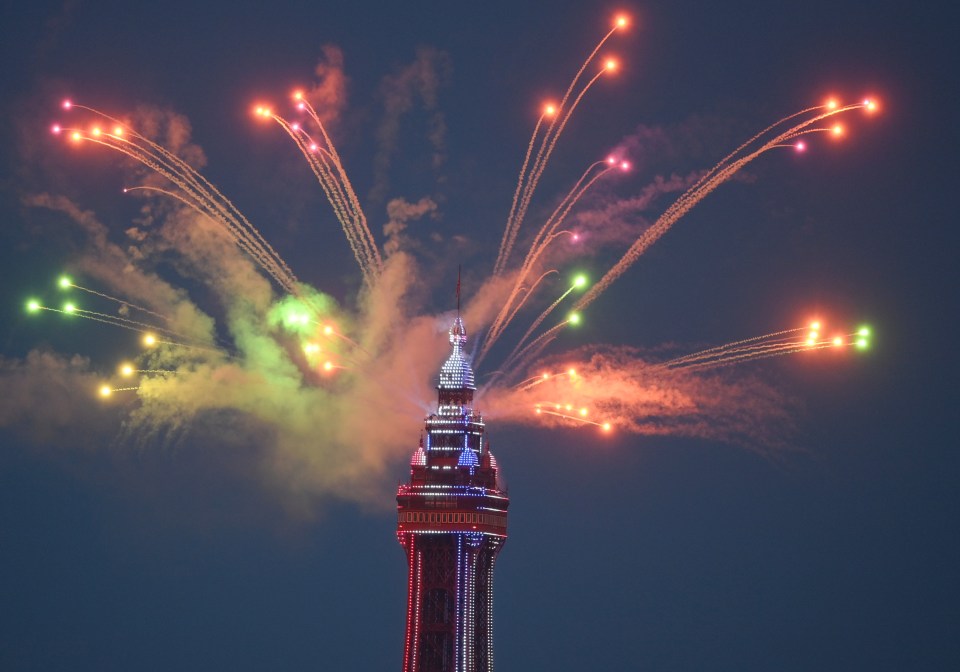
(105, 391)
(149, 340)
(126, 370)
(583, 412)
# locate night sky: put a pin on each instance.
(836, 550)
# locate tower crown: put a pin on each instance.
(456, 373)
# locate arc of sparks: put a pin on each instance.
(195, 187)
(527, 182)
(66, 282)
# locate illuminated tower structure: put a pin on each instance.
(451, 521)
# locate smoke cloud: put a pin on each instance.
(418, 82)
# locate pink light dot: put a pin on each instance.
(611, 160)
(55, 129)
(800, 146)
(625, 165)
(313, 148)
(67, 104)
(301, 106)
(295, 127)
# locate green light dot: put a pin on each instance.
(863, 331)
(862, 343)
(580, 281)
(64, 282)
(33, 306)
(574, 318)
(69, 308)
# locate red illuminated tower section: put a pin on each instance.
(452, 521)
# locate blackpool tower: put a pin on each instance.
(451, 521)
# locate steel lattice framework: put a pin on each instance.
(452, 522)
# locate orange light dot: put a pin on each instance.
(837, 130)
(75, 136)
(328, 330)
(550, 110)
(832, 104)
(621, 21)
(298, 95)
(811, 341)
(583, 412)
(328, 366)
(569, 407)
(572, 372)
(96, 130)
(815, 326)
(610, 65)
(606, 427)
(546, 375)
(838, 340)
(538, 411)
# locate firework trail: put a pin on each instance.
(206, 198)
(776, 344)
(325, 163)
(66, 283)
(527, 183)
(716, 176)
(548, 232)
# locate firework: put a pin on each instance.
(353, 358)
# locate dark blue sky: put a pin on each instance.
(624, 553)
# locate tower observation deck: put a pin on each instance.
(451, 521)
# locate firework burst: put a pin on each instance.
(289, 358)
